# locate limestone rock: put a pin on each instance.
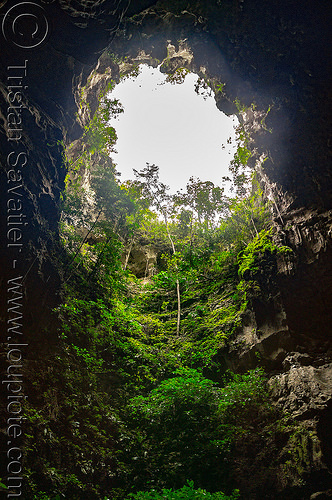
(303, 390)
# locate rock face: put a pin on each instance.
(50, 75)
(303, 389)
(144, 258)
(275, 54)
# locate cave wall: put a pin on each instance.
(77, 34)
(276, 54)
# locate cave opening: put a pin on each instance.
(172, 121)
(183, 108)
(197, 122)
(77, 372)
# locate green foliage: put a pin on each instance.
(238, 167)
(71, 427)
(242, 398)
(177, 421)
(173, 418)
(187, 425)
(45, 496)
(242, 108)
(247, 217)
(178, 76)
(153, 190)
(128, 404)
(204, 199)
(99, 135)
(114, 201)
(187, 492)
(185, 391)
(219, 87)
(257, 251)
(3, 486)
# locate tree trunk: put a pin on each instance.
(179, 308)
(128, 254)
(177, 281)
(191, 240)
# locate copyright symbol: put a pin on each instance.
(25, 25)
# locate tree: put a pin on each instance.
(204, 199)
(135, 219)
(99, 135)
(200, 208)
(247, 216)
(181, 430)
(114, 201)
(156, 192)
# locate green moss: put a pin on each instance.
(257, 253)
(298, 453)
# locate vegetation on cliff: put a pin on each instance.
(136, 398)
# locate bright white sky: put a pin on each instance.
(172, 127)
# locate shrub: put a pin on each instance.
(186, 493)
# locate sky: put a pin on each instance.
(169, 125)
